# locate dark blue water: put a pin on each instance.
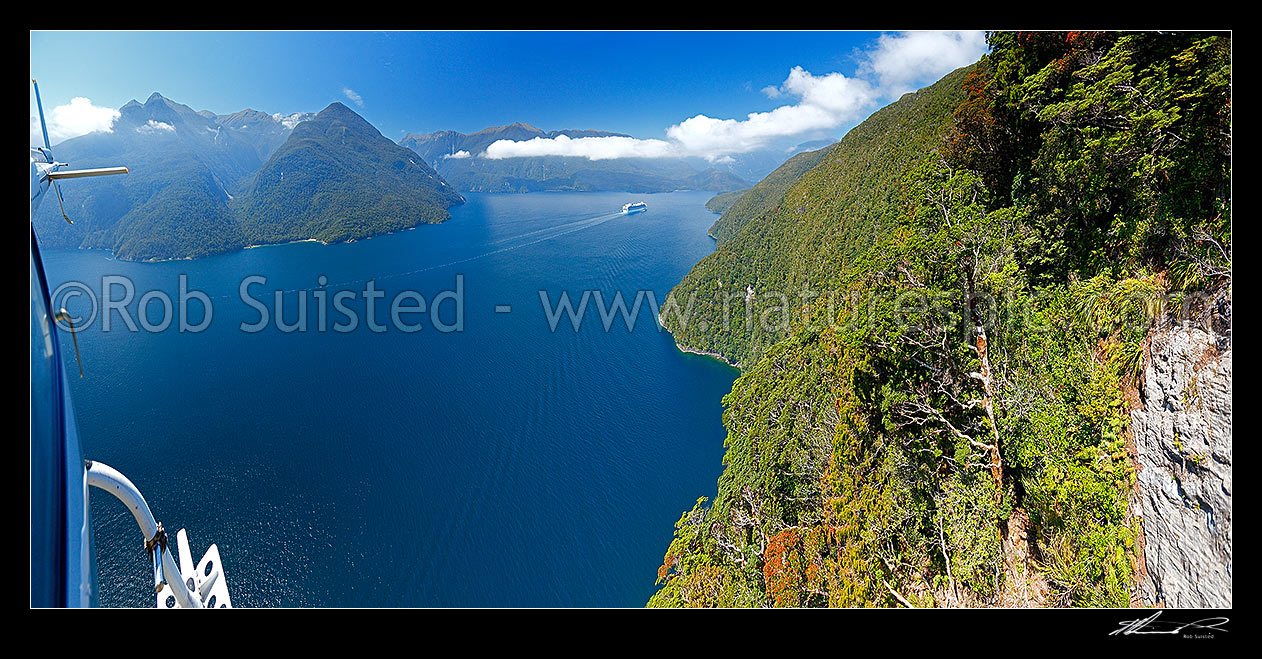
(502, 465)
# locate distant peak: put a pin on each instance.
(337, 107)
(155, 97)
(429, 136)
(339, 112)
(515, 125)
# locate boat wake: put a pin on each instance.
(514, 243)
(549, 233)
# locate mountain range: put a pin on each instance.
(202, 183)
(433, 146)
(461, 159)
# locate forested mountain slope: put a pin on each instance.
(790, 244)
(955, 430)
(765, 196)
(719, 203)
(337, 178)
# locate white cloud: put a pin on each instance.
(459, 155)
(80, 117)
(152, 127)
(825, 102)
(909, 60)
(355, 98)
(833, 92)
(895, 64)
(592, 148)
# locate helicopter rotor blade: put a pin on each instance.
(51, 170)
(43, 125)
(84, 173)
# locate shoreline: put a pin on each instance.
(703, 353)
(193, 258)
(291, 242)
(695, 351)
(258, 245)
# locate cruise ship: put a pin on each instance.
(634, 207)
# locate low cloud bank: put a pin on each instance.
(152, 127)
(592, 148)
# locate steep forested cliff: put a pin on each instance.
(946, 420)
(763, 197)
(789, 238)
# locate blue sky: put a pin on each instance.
(641, 83)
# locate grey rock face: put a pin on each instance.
(1183, 438)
